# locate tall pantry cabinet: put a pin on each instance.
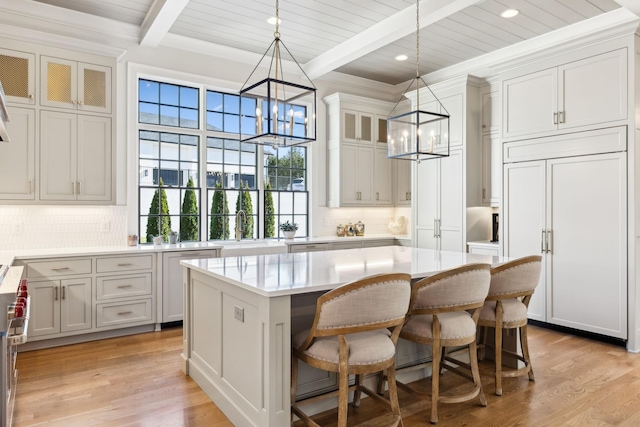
(445, 187)
(565, 185)
(62, 140)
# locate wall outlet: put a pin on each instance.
(17, 227)
(105, 226)
(238, 313)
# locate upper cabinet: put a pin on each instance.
(75, 85)
(18, 76)
(357, 126)
(62, 126)
(359, 172)
(543, 102)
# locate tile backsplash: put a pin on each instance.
(29, 227)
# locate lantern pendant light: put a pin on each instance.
(273, 111)
(423, 132)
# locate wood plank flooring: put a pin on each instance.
(136, 381)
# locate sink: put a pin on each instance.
(252, 247)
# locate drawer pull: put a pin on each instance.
(124, 264)
(122, 313)
(125, 286)
(59, 268)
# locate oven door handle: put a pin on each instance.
(19, 324)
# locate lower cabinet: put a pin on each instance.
(81, 295)
(59, 306)
(172, 288)
(348, 243)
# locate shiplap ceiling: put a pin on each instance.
(356, 37)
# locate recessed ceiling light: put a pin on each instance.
(272, 20)
(509, 13)
(402, 57)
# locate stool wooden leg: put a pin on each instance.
(475, 371)
(498, 357)
(525, 351)
(357, 392)
(435, 380)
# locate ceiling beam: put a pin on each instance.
(159, 19)
(383, 33)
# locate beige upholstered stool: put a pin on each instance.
(444, 312)
(355, 331)
(512, 285)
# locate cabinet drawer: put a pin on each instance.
(63, 267)
(117, 314)
(128, 263)
(123, 286)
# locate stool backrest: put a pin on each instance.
(373, 302)
(460, 288)
(515, 278)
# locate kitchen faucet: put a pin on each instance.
(239, 229)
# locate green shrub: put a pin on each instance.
(219, 227)
(159, 221)
(189, 218)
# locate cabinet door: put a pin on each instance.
(94, 88)
(451, 203)
(402, 170)
(523, 221)
(454, 106)
(349, 174)
(18, 76)
(426, 203)
(59, 82)
(75, 304)
(365, 162)
(17, 159)
(383, 178)
(582, 102)
(491, 169)
(172, 287)
(490, 112)
(58, 155)
(94, 158)
(529, 103)
(45, 308)
(587, 216)
(381, 129)
(349, 126)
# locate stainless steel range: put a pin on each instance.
(15, 304)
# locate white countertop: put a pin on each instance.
(485, 243)
(336, 239)
(299, 273)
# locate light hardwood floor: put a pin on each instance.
(136, 381)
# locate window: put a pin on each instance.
(176, 136)
(284, 171)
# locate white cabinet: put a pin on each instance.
(309, 247)
(491, 169)
(356, 175)
(382, 179)
(565, 97)
(86, 295)
(75, 85)
(573, 211)
(440, 206)
(490, 119)
(18, 76)
(357, 126)
(359, 172)
(402, 179)
(59, 306)
(484, 248)
(17, 159)
(172, 288)
(75, 157)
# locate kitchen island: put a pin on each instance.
(240, 313)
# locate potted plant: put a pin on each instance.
(288, 229)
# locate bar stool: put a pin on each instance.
(443, 312)
(355, 331)
(512, 285)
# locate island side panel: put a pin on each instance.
(237, 349)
